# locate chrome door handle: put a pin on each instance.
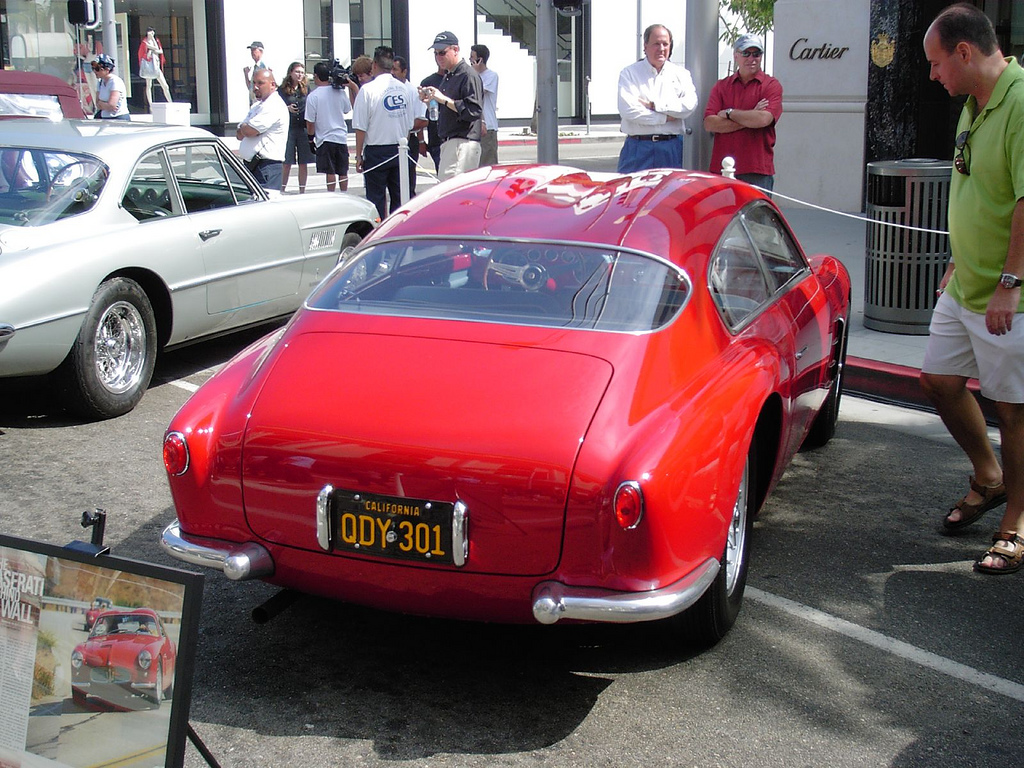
(206, 234)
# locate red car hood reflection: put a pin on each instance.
(496, 426)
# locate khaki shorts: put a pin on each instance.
(960, 345)
(458, 156)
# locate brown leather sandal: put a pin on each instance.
(1013, 554)
(991, 497)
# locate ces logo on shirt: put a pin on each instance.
(394, 102)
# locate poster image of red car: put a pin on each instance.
(119, 677)
(128, 652)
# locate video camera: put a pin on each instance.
(340, 75)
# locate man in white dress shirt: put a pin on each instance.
(655, 95)
(263, 135)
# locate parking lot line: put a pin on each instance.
(890, 645)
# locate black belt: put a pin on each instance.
(657, 137)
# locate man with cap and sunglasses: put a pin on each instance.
(460, 99)
(256, 51)
(111, 94)
(655, 95)
(742, 111)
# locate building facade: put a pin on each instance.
(856, 82)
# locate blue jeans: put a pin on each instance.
(643, 154)
(762, 180)
(268, 174)
(381, 176)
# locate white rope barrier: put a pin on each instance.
(729, 171)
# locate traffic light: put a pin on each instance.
(82, 11)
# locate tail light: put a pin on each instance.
(175, 454)
(629, 505)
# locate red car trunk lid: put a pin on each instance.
(497, 427)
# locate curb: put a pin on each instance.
(899, 385)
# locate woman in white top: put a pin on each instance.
(111, 94)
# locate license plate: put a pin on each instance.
(392, 526)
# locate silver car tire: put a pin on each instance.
(111, 363)
(349, 243)
(158, 692)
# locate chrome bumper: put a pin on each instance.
(553, 600)
(238, 562)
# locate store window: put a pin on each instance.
(37, 37)
(370, 24)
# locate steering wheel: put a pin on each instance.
(530, 276)
(58, 177)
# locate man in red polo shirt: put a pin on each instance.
(742, 111)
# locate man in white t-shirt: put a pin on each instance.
(264, 131)
(478, 56)
(382, 114)
(326, 107)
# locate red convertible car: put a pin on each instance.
(99, 605)
(128, 653)
(533, 394)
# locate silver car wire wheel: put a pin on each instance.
(120, 347)
(736, 539)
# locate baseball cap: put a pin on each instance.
(255, 44)
(443, 40)
(748, 41)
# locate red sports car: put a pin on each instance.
(99, 605)
(128, 653)
(534, 394)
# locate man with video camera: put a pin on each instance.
(326, 107)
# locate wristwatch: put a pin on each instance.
(728, 114)
(1010, 281)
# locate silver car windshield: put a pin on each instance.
(524, 283)
(39, 186)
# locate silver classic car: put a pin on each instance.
(118, 239)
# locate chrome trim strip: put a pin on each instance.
(460, 534)
(202, 280)
(239, 562)
(323, 517)
(553, 600)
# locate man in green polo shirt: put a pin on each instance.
(977, 330)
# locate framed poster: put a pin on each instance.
(96, 658)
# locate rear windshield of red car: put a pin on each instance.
(554, 285)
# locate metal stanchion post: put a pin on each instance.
(403, 168)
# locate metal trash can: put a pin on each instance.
(904, 266)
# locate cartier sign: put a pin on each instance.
(804, 50)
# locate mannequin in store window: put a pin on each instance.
(151, 65)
